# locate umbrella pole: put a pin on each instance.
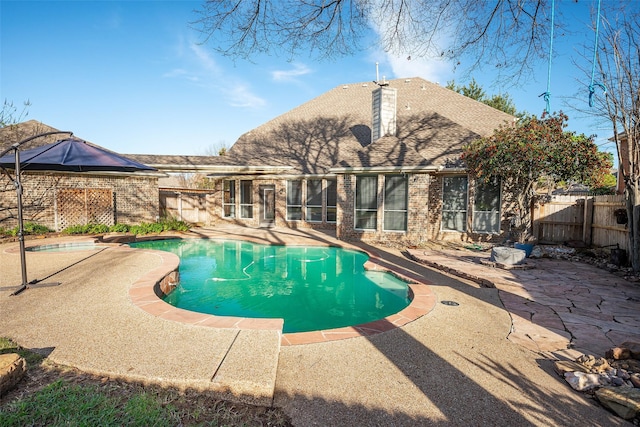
(18, 184)
(23, 258)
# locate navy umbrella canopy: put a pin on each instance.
(72, 155)
(67, 155)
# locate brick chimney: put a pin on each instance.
(384, 112)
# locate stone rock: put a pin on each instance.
(618, 353)
(508, 256)
(601, 365)
(617, 381)
(537, 252)
(630, 365)
(581, 381)
(633, 347)
(623, 401)
(12, 369)
(563, 366)
(635, 380)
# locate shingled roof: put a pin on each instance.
(333, 131)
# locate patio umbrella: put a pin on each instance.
(72, 155)
(67, 155)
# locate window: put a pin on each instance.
(395, 203)
(229, 198)
(486, 207)
(314, 200)
(332, 197)
(366, 202)
(246, 199)
(454, 203)
(294, 200)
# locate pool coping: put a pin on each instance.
(144, 293)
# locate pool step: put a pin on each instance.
(248, 371)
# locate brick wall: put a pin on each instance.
(135, 198)
(280, 185)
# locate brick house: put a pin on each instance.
(60, 199)
(372, 161)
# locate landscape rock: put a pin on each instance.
(12, 369)
(633, 347)
(508, 256)
(537, 252)
(563, 366)
(618, 353)
(624, 401)
(594, 364)
(581, 381)
(630, 365)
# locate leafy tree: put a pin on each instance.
(474, 91)
(537, 148)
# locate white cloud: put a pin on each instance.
(419, 53)
(205, 59)
(433, 70)
(198, 65)
(290, 75)
(240, 95)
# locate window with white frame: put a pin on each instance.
(332, 198)
(454, 203)
(314, 200)
(229, 198)
(294, 200)
(366, 202)
(486, 207)
(246, 199)
(395, 203)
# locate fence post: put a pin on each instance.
(536, 207)
(587, 222)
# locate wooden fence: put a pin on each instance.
(185, 205)
(590, 219)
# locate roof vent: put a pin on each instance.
(423, 87)
(365, 84)
(345, 87)
(407, 80)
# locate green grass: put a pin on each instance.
(62, 403)
(51, 395)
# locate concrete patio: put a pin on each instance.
(487, 361)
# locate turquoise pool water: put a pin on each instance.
(311, 288)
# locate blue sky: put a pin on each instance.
(133, 77)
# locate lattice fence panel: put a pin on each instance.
(100, 206)
(84, 206)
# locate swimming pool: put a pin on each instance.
(311, 288)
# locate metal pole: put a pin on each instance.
(23, 258)
(18, 184)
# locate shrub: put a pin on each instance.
(86, 229)
(119, 228)
(166, 224)
(28, 228)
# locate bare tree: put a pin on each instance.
(618, 66)
(470, 32)
(9, 114)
